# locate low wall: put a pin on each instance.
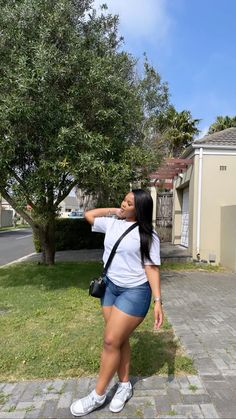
(228, 237)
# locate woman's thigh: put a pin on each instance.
(120, 326)
(106, 311)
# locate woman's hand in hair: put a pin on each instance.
(120, 214)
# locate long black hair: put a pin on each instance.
(143, 207)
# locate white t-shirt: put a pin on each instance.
(126, 267)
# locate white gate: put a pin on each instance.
(185, 218)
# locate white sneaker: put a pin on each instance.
(86, 405)
(123, 393)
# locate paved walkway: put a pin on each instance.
(202, 310)
(169, 252)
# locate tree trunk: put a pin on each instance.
(47, 239)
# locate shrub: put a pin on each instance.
(74, 234)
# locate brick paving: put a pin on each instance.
(201, 307)
(202, 310)
(154, 397)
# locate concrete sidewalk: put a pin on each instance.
(202, 309)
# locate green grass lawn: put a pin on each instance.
(50, 327)
(14, 228)
(191, 266)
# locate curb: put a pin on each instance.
(18, 260)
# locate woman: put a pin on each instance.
(131, 279)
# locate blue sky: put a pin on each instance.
(192, 44)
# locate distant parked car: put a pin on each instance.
(76, 214)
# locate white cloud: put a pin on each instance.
(144, 20)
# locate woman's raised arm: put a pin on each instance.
(100, 212)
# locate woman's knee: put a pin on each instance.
(111, 342)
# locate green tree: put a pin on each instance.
(154, 93)
(70, 108)
(153, 96)
(155, 101)
(174, 131)
(221, 123)
(166, 131)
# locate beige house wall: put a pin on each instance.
(67, 205)
(228, 237)
(194, 197)
(218, 190)
(153, 192)
(192, 205)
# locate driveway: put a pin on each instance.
(15, 244)
(202, 309)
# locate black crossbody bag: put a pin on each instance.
(97, 285)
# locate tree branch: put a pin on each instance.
(20, 181)
(61, 185)
(64, 195)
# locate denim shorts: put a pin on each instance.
(134, 301)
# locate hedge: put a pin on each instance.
(74, 234)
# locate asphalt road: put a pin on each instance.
(15, 244)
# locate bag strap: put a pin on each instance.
(112, 254)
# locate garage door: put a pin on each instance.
(185, 218)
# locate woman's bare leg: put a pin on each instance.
(124, 366)
(118, 329)
(123, 369)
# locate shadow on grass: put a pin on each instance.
(61, 275)
(153, 353)
(58, 276)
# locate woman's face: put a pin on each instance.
(128, 208)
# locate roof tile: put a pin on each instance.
(225, 137)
